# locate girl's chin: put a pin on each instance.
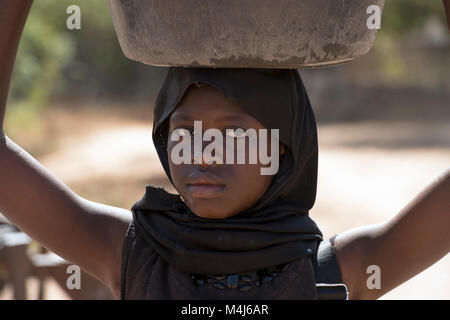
(207, 213)
(207, 208)
(212, 216)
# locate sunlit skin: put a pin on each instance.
(237, 186)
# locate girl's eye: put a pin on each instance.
(237, 133)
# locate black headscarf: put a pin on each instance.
(277, 229)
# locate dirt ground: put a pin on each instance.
(367, 173)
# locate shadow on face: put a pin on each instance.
(212, 190)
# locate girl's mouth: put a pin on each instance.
(205, 191)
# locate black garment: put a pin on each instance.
(147, 276)
(276, 230)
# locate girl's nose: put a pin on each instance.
(205, 159)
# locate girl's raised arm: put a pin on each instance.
(401, 248)
(408, 244)
(85, 233)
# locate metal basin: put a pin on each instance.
(243, 33)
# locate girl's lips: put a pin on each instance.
(205, 191)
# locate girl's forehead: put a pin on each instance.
(208, 102)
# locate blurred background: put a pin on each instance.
(85, 112)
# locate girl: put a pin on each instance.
(231, 233)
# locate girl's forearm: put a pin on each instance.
(13, 14)
(412, 241)
(416, 238)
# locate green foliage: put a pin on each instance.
(54, 61)
(52, 58)
(406, 16)
(45, 49)
(402, 37)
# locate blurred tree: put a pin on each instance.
(44, 51)
(54, 61)
(406, 16)
(402, 37)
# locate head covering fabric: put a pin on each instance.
(277, 229)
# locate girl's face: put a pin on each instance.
(216, 191)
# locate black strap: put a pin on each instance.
(328, 275)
